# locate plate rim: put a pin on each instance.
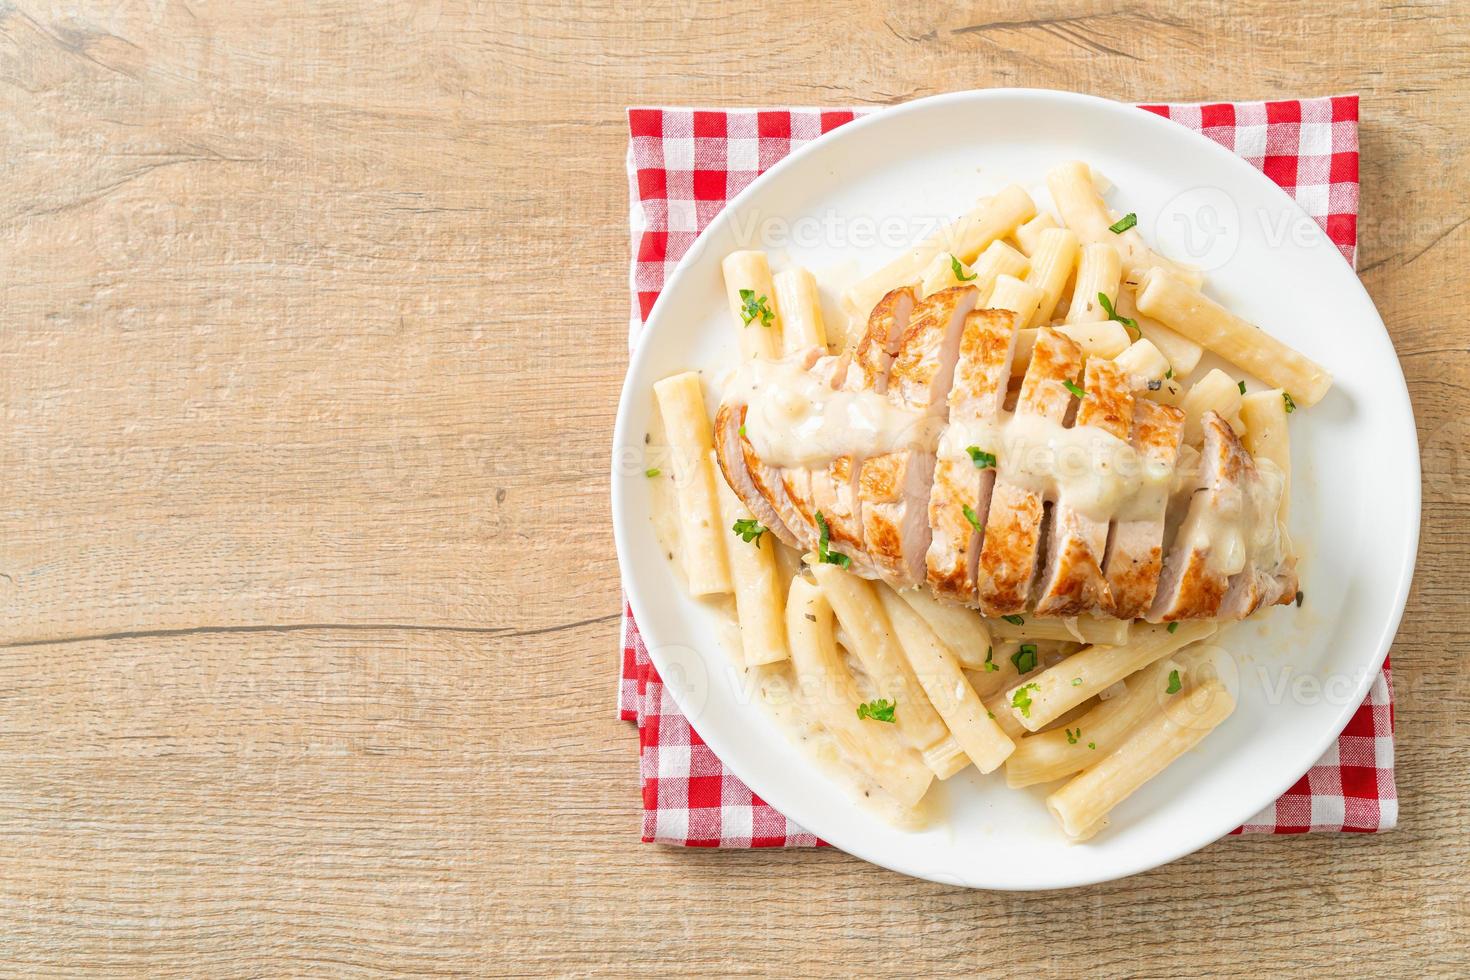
(1399, 393)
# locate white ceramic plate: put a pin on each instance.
(854, 195)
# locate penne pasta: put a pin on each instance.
(961, 629)
(1105, 339)
(1266, 436)
(1021, 298)
(1082, 210)
(945, 272)
(1052, 262)
(1182, 353)
(755, 576)
(1082, 804)
(1099, 271)
(998, 259)
(801, 310)
(965, 239)
(831, 695)
(1028, 236)
(1215, 392)
(871, 638)
(1209, 324)
(752, 298)
(1043, 698)
(1143, 361)
(948, 689)
(1053, 754)
(681, 403)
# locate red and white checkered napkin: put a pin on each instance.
(683, 165)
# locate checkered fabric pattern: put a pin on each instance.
(683, 166)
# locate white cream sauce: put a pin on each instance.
(794, 418)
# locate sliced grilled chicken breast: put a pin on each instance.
(1136, 547)
(1013, 526)
(1216, 542)
(1072, 581)
(894, 488)
(982, 372)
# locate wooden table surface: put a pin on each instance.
(313, 326)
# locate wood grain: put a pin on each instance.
(312, 330)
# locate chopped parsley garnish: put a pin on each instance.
(1169, 374)
(981, 459)
(1174, 684)
(1025, 658)
(1021, 698)
(879, 710)
(749, 530)
(1290, 405)
(1124, 223)
(1242, 387)
(1076, 682)
(750, 308)
(972, 517)
(1173, 627)
(1299, 598)
(1072, 736)
(1090, 745)
(1075, 388)
(959, 273)
(742, 428)
(990, 663)
(826, 555)
(652, 472)
(1128, 322)
(1014, 620)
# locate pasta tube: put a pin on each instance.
(1243, 344)
(752, 297)
(681, 403)
(801, 310)
(830, 693)
(757, 582)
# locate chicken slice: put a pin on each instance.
(1136, 548)
(752, 480)
(1222, 534)
(1013, 526)
(1072, 582)
(894, 488)
(982, 372)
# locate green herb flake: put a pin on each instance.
(826, 555)
(972, 517)
(652, 472)
(1076, 682)
(1169, 374)
(990, 664)
(981, 459)
(1242, 387)
(1128, 322)
(1175, 686)
(1290, 405)
(879, 710)
(959, 270)
(1075, 388)
(1092, 745)
(1025, 658)
(749, 530)
(1014, 620)
(1021, 698)
(1299, 598)
(751, 307)
(742, 429)
(1072, 736)
(1128, 220)
(1173, 627)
